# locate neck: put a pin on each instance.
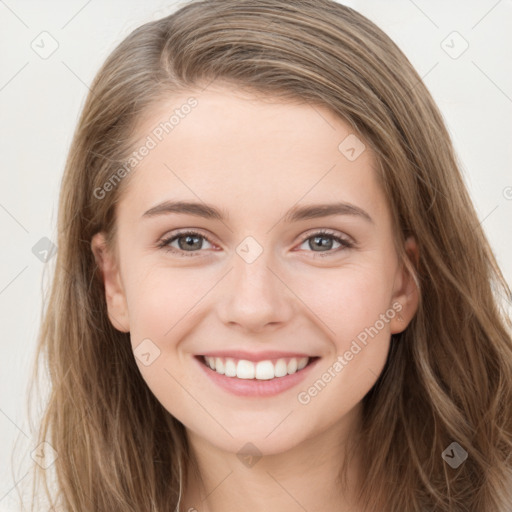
(306, 477)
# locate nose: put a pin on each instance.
(254, 296)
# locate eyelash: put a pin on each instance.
(164, 243)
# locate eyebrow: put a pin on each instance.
(295, 214)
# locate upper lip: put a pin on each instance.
(254, 356)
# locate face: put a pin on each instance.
(255, 233)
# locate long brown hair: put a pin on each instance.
(448, 377)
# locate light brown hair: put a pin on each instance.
(448, 376)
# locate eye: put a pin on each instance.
(191, 242)
(188, 242)
(324, 240)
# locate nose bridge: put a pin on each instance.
(252, 269)
(256, 296)
(255, 275)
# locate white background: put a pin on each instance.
(40, 100)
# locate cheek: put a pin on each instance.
(353, 305)
(355, 311)
(162, 299)
(346, 300)
(161, 304)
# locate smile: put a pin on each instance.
(261, 370)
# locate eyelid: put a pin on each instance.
(327, 231)
(163, 242)
(345, 241)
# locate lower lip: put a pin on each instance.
(255, 387)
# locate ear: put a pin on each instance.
(114, 291)
(406, 294)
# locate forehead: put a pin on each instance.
(252, 153)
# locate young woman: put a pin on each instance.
(272, 291)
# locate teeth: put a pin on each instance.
(219, 365)
(281, 368)
(292, 366)
(303, 361)
(262, 370)
(245, 369)
(230, 368)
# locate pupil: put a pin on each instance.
(189, 242)
(321, 245)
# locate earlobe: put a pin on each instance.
(406, 297)
(114, 292)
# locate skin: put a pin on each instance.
(256, 159)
